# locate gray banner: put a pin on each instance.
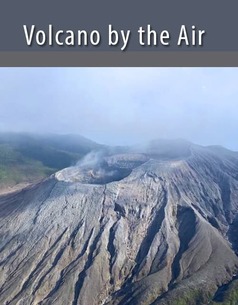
(148, 33)
(118, 59)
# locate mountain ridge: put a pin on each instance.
(27, 158)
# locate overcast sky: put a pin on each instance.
(123, 105)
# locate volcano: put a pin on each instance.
(153, 224)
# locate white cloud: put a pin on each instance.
(123, 105)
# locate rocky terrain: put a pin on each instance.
(155, 224)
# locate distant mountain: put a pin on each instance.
(27, 158)
(150, 225)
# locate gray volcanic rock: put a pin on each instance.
(133, 228)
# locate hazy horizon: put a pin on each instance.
(123, 106)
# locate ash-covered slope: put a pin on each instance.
(133, 228)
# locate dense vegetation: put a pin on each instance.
(229, 296)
